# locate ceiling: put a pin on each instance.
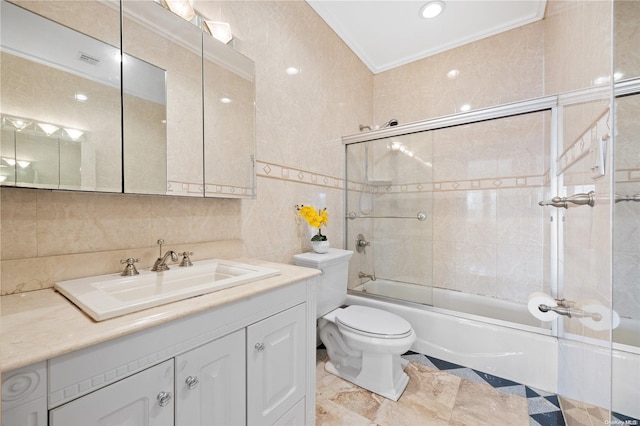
(386, 34)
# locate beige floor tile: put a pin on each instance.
(480, 404)
(432, 397)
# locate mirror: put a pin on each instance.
(229, 125)
(165, 156)
(78, 113)
(144, 118)
(60, 101)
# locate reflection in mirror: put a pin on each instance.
(65, 88)
(159, 37)
(42, 155)
(144, 121)
(229, 121)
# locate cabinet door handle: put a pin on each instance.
(192, 382)
(259, 347)
(164, 398)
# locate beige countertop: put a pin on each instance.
(42, 324)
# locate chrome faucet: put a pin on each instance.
(161, 262)
(363, 275)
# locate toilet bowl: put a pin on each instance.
(365, 347)
(364, 344)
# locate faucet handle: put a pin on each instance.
(130, 269)
(186, 261)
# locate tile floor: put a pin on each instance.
(442, 393)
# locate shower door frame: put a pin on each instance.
(555, 104)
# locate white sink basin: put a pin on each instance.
(107, 296)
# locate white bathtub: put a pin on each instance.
(499, 338)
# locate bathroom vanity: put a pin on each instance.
(243, 355)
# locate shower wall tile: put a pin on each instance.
(519, 271)
(476, 213)
(444, 264)
(577, 45)
(476, 266)
(520, 218)
(500, 69)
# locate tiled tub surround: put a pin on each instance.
(479, 185)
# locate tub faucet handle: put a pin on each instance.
(361, 244)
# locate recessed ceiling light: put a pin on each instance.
(293, 70)
(225, 100)
(453, 74)
(81, 97)
(432, 9)
(465, 107)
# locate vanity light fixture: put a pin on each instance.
(219, 30)
(292, 70)
(182, 8)
(3, 178)
(49, 129)
(465, 108)
(9, 161)
(225, 100)
(18, 123)
(23, 164)
(432, 9)
(80, 97)
(74, 134)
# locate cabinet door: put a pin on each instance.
(210, 383)
(144, 399)
(275, 365)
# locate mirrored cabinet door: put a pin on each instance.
(162, 128)
(60, 107)
(229, 121)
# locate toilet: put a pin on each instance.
(364, 344)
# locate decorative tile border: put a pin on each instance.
(585, 143)
(191, 189)
(227, 191)
(459, 185)
(277, 171)
(184, 188)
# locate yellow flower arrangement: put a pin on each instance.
(316, 218)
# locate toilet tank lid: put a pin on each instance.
(322, 260)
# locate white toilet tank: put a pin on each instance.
(331, 291)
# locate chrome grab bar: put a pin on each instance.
(567, 310)
(577, 199)
(421, 216)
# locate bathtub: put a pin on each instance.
(503, 339)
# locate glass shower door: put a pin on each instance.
(389, 216)
(582, 218)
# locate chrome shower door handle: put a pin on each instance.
(581, 199)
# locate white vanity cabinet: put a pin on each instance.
(210, 383)
(249, 362)
(144, 399)
(275, 366)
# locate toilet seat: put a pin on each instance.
(372, 322)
